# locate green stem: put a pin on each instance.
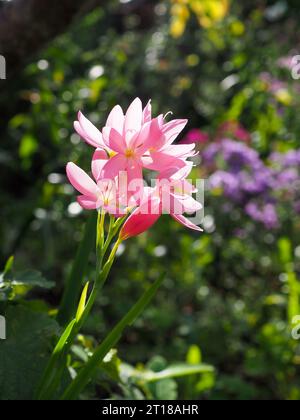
(74, 282)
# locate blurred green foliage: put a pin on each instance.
(227, 300)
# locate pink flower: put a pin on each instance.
(135, 140)
(105, 193)
(128, 143)
(195, 136)
(172, 195)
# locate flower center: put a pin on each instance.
(129, 153)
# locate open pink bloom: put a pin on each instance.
(172, 195)
(128, 143)
(105, 193)
(128, 137)
(135, 140)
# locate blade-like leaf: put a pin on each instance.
(176, 371)
(82, 302)
(88, 371)
(46, 384)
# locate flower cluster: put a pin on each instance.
(256, 186)
(127, 145)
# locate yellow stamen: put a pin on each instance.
(112, 154)
(129, 153)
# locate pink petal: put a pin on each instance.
(144, 140)
(114, 140)
(88, 131)
(183, 151)
(156, 137)
(116, 119)
(87, 202)
(134, 115)
(147, 113)
(81, 181)
(135, 179)
(137, 223)
(142, 219)
(185, 187)
(98, 161)
(161, 162)
(114, 166)
(84, 136)
(185, 222)
(176, 174)
(187, 204)
(131, 137)
(172, 129)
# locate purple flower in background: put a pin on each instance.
(228, 182)
(297, 207)
(292, 158)
(210, 153)
(269, 216)
(257, 182)
(265, 214)
(287, 178)
(238, 155)
(250, 183)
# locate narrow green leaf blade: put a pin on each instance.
(88, 371)
(44, 389)
(177, 371)
(82, 302)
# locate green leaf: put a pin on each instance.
(285, 250)
(165, 390)
(28, 146)
(177, 371)
(194, 355)
(88, 371)
(294, 298)
(82, 302)
(206, 382)
(31, 278)
(111, 365)
(47, 382)
(8, 266)
(23, 355)
(13, 284)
